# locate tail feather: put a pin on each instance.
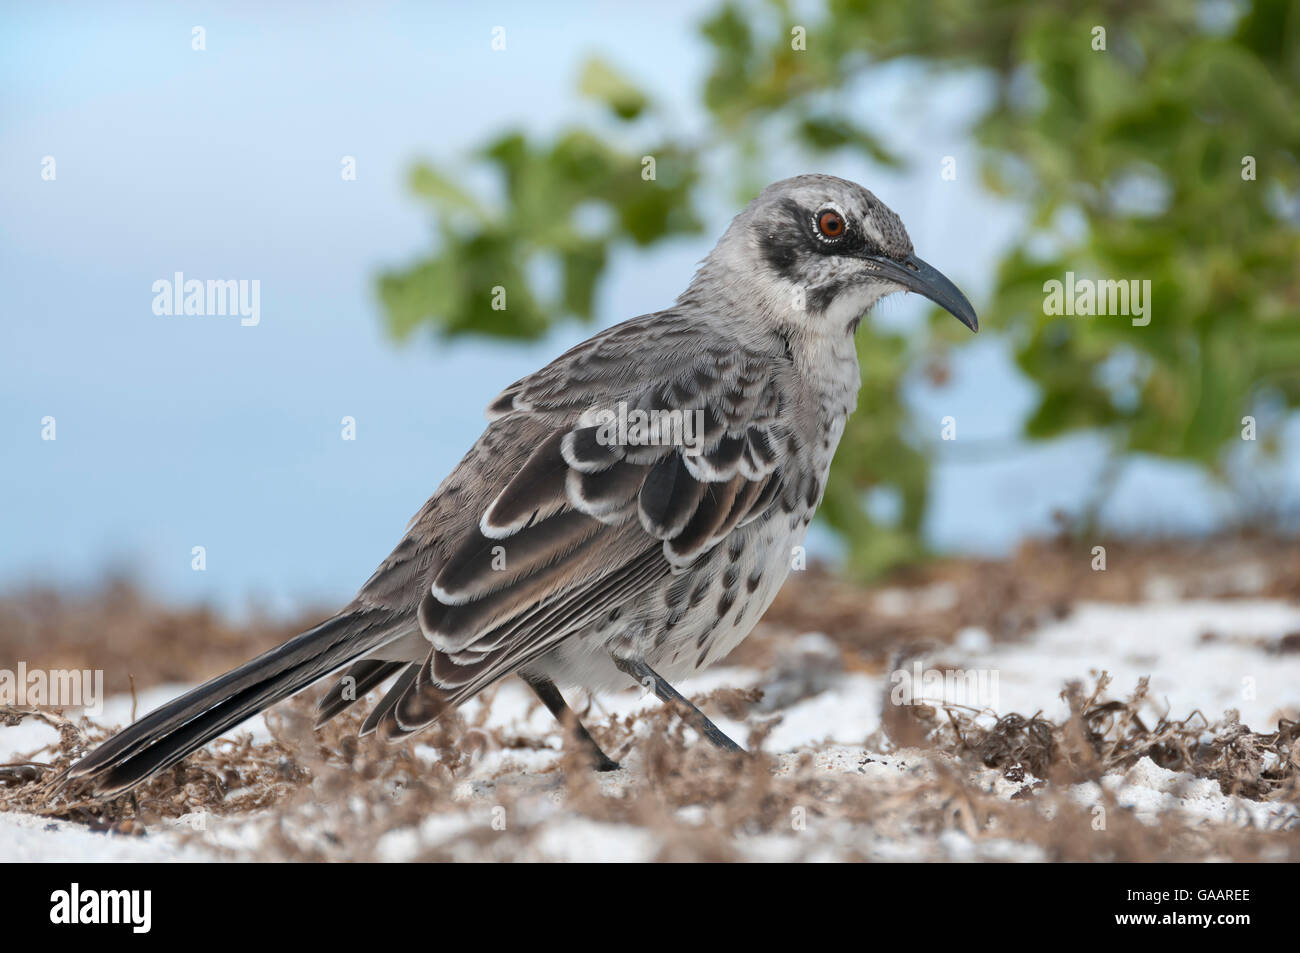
(169, 733)
(381, 711)
(353, 685)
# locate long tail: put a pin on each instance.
(168, 734)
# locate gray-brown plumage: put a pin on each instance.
(566, 552)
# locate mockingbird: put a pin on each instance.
(630, 511)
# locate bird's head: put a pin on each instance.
(818, 252)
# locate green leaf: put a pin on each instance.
(601, 81)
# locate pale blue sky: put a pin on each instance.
(176, 432)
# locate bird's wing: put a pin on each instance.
(584, 522)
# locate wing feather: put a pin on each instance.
(583, 523)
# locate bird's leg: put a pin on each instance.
(550, 696)
(649, 678)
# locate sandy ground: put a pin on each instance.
(906, 759)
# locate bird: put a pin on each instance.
(629, 512)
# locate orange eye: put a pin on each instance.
(830, 223)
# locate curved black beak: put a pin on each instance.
(915, 275)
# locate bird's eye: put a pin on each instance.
(830, 223)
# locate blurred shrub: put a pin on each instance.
(1127, 159)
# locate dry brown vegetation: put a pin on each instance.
(327, 795)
